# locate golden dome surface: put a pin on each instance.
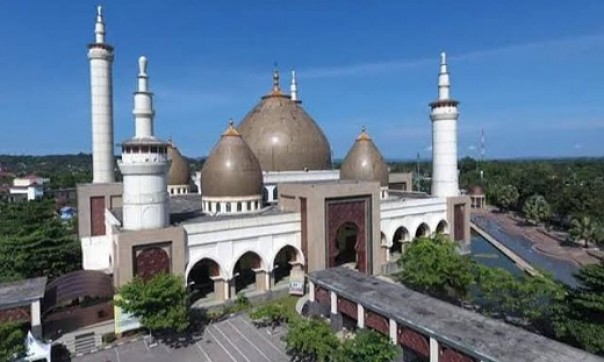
(364, 162)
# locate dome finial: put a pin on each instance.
(276, 88)
(364, 136)
(443, 58)
(231, 130)
(294, 87)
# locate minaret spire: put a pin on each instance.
(294, 87)
(444, 117)
(99, 27)
(444, 82)
(100, 55)
(143, 103)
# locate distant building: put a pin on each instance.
(28, 188)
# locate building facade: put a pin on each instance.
(269, 205)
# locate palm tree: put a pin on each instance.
(536, 209)
(584, 229)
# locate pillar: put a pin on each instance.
(262, 280)
(36, 322)
(220, 289)
(360, 316)
(433, 350)
(393, 330)
(334, 302)
(311, 291)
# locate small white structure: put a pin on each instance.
(100, 55)
(28, 188)
(144, 165)
(444, 117)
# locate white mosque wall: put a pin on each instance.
(95, 252)
(410, 214)
(225, 241)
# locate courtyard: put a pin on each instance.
(231, 340)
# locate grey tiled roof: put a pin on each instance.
(21, 292)
(484, 338)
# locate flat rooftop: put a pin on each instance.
(22, 292)
(186, 209)
(474, 334)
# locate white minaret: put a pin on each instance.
(444, 137)
(144, 165)
(293, 88)
(100, 55)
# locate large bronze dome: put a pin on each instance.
(231, 169)
(283, 136)
(364, 162)
(179, 173)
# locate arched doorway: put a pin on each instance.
(422, 231)
(244, 273)
(282, 264)
(442, 227)
(401, 235)
(151, 261)
(200, 279)
(346, 243)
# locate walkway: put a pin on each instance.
(542, 241)
(232, 340)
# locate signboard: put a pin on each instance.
(296, 281)
(124, 321)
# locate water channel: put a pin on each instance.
(485, 253)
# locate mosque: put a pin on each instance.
(267, 207)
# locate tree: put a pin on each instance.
(525, 300)
(506, 197)
(311, 340)
(12, 341)
(34, 242)
(367, 346)
(536, 209)
(580, 319)
(435, 267)
(584, 229)
(160, 303)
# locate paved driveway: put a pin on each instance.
(232, 340)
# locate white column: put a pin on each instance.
(393, 330)
(311, 291)
(433, 350)
(334, 302)
(35, 313)
(360, 316)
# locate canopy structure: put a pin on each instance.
(36, 349)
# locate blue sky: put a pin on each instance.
(530, 73)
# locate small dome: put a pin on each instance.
(283, 136)
(364, 162)
(231, 169)
(179, 173)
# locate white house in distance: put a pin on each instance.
(28, 188)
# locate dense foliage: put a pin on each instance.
(572, 187)
(34, 242)
(586, 230)
(580, 319)
(367, 346)
(434, 266)
(12, 341)
(311, 340)
(160, 303)
(528, 301)
(536, 209)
